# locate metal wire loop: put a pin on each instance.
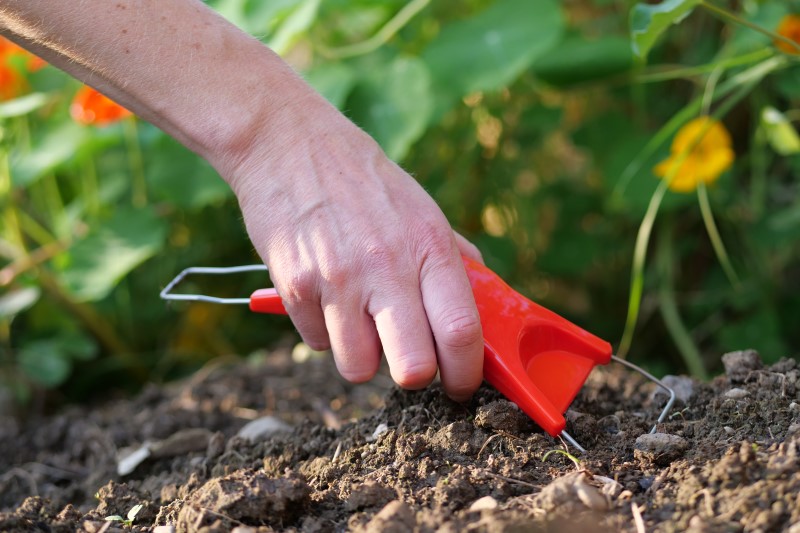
(167, 294)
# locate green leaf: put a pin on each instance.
(649, 21)
(22, 105)
(780, 133)
(44, 362)
(182, 178)
(334, 81)
(579, 60)
(18, 300)
(58, 146)
(294, 26)
(96, 264)
(394, 104)
(492, 48)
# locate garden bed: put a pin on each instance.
(374, 458)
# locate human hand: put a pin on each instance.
(360, 254)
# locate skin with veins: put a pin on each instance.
(363, 258)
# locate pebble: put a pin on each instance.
(738, 365)
(590, 496)
(487, 503)
(395, 517)
(660, 448)
(168, 529)
(736, 393)
(263, 428)
(182, 442)
(682, 385)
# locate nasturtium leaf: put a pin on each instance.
(649, 21)
(581, 60)
(490, 49)
(780, 133)
(394, 104)
(44, 362)
(22, 105)
(182, 178)
(56, 147)
(294, 26)
(18, 300)
(334, 81)
(96, 264)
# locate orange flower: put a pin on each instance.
(700, 153)
(789, 27)
(9, 49)
(12, 84)
(92, 107)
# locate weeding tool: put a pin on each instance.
(536, 358)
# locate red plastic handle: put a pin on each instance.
(267, 301)
(536, 358)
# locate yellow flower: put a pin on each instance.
(789, 27)
(700, 152)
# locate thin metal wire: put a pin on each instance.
(568, 438)
(657, 381)
(166, 294)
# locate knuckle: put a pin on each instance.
(436, 242)
(298, 287)
(460, 328)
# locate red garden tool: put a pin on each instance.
(533, 356)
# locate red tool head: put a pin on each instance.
(536, 358)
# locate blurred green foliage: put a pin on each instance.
(533, 125)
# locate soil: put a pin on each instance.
(284, 446)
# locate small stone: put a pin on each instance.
(182, 442)
(728, 430)
(646, 482)
(487, 503)
(738, 365)
(263, 428)
(216, 445)
(244, 529)
(794, 406)
(794, 429)
(736, 393)
(167, 529)
(590, 496)
(130, 458)
(683, 387)
(379, 430)
(395, 517)
(659, 448)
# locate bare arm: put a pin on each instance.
(361, 255)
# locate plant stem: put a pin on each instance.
(690, 72)
(726, 15)
(637, 270)
(386, 32)
(713, 235)
(89, 185)
(669, 307)
(139, 183)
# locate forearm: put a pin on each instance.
(175, 63)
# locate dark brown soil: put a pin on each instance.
(373, 458)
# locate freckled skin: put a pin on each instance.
(363, 258)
